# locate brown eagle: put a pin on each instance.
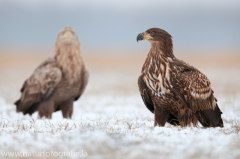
(58, 81)
(173, 90)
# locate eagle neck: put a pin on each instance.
(157, 71)
(69, 61)
(165, 49)
(157, 60)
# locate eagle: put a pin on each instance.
(57, 82)
(173, 90)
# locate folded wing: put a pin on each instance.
(194, 89)
(39, 85)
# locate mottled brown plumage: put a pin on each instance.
(58, 81)
(173, 90)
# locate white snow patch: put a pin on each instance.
(112, 126)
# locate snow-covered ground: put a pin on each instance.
(111, 121)
(111, 126)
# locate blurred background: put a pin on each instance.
(206, 24)
(205, 34)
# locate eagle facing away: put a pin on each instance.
(57, 82)
(173, 90)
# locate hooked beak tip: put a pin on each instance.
(140, 37)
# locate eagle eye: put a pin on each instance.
(152, 33)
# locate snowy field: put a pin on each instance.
(111, 121)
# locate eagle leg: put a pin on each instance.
(67, 108)
(46, 108)
(161, 116)
(32, 109)
(185, 115)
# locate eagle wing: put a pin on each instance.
(39, 85)
(84, 81)
(194, 89)
(145, 97)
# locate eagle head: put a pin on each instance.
(154, 35)
(159, 39)
(67, 36)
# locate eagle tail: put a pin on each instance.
(210, 117)
(17, 102)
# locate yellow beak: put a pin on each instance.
(68, 35)
(144, 36)
(147, 36)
